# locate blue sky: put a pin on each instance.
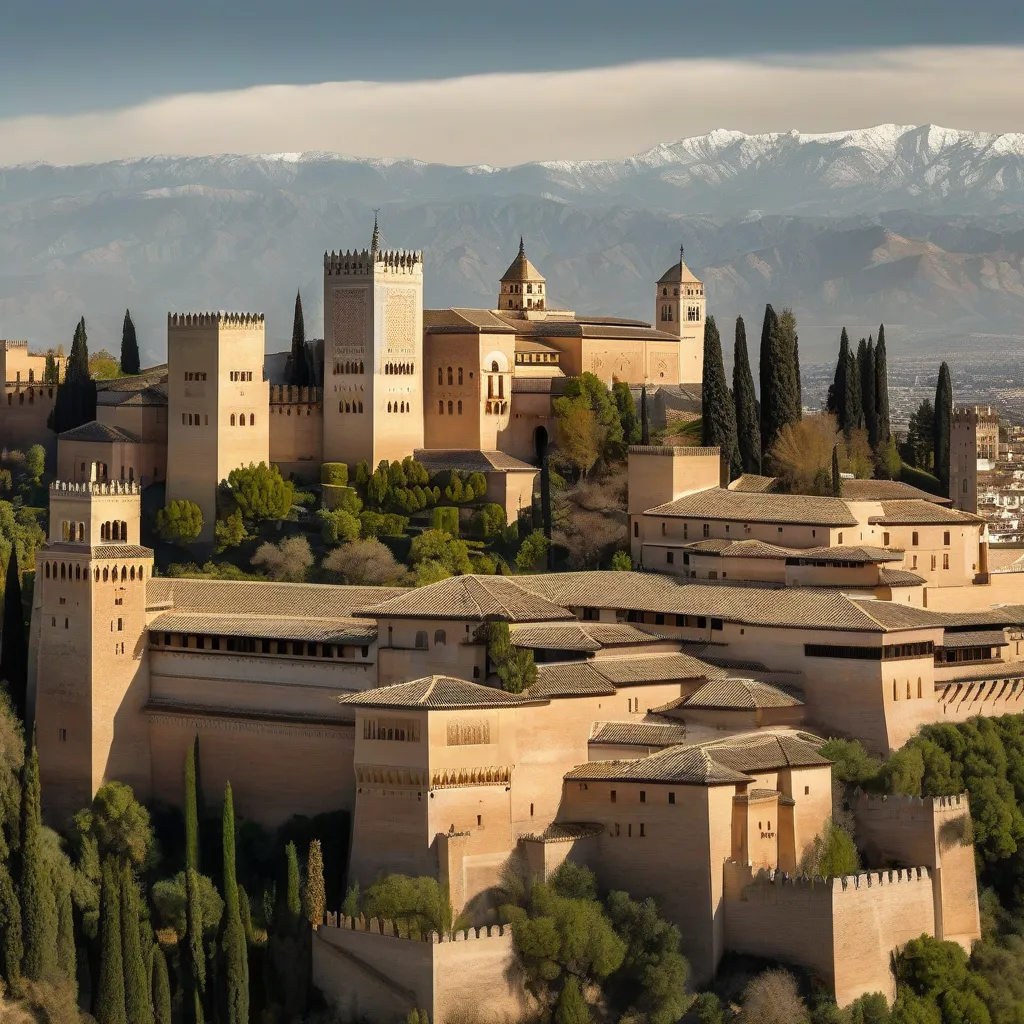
(60, 61)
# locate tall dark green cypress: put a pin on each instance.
(161, 987)
(137, 989)
(748, 428)
(12, 948)
(129, 346)
(943, 422)
(837, 393)
(765, 354)
(866, 365)
(626, 407)
(297, 364)
(191, 807)
(718, 420)
(193, 956)
(780, 401)
(67, 964)
(109, 1005)
(13, 646)
(38, 906)
(882, 389)
(75, 402)
(854, 406)
(233, 944)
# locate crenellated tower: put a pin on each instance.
(87, 646)
(373, 354)
(218, 404)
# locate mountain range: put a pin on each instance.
(917, 226)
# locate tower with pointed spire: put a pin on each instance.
(680, 308)
(522, 285)
(373, 353)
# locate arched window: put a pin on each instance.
(440, 407)
(252, 419)
(449, 408)
(131, 575)
(117, 531)
(97, 575)
(140, 572)
(232, 419)
(63, 570)
(46, 570)
(421, 639)
(106, 574)
(403, 407)
(360, 406)
(501, 387)
(460, 374)
(124, 530)
(449, 376)
(440, 639)
(78, 572)
(460, 406)
(124, 574)
(494, 366)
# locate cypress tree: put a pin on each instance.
(791, 401)
(943, 421)
(645, 425)
(191, 808)
(67, 963)
(11, 946)
(764, 361)
(626, 407)
(110, 998)
(882, 389)
(245, 913)
(75, 402)
(780, 400)
(837, 480)
(129, 346)
(236, 964)
(13, 646)
(718, 420)
(837, 393)
(298, 366)
(316, 893)
(193, 956)
(137, 987)
(161, 987)
(51, 375)
(293, 898)
(854, 407)
(38, 906)
(570, 1008)
(748, 429)
(866, 365)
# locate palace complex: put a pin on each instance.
(671, 739)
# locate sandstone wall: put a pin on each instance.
(296, 431)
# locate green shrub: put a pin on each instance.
(382, 524)
(446, 517)
(489, 520)
(334, 473)
(479, 484)
(339, 526)
(180, 522)
(920, 479)
(344, 499)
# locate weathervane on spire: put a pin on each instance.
(680, 254)
(375, 241)
(522, 246)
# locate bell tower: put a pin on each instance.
(373, 354)
(680, 308)
(87, 683)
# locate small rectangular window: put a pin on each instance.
(807, 790)
(885, 539)
(642, 832)
(479, 819)
(670, 557)
(945, 538)
(613, 796)
(643, 796)
(62, 735)
(671, 798)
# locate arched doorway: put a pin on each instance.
(540, 443)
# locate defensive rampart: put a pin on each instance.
(296, 430)
(956, 702)
(843, 929)
(368, 972)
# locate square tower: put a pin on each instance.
(373, 354)
(680, 308)
(87, 649)
(218, 404)
(973, 451)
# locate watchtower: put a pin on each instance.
(373, 354)
(218, 404)
(680, 308)
(87, 645)
(973, 450)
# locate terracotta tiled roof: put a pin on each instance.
(570, 679)
(637, 734)
(94, 430)
(683, 765)
(298, 600)
(163, 707)
(738, 548)
(470, 597)
(554, 385)
(738, 695)
(653, 668)
(765, 752)
(860, 554)
(469, 460)
(582, 636)
(887, 490)
(900, 578)
(975, 638)
(327, 631)
(463, 321)
(752, 483)
(533, 345)
(122, 551)
(521, 269)
(134, 382)
(436, 693)
(717, 503)
(919, 512)
(678, 273)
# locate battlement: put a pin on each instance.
(382, 927)
(862, 880)
(975, 414)
(10, 344)
(221, 320)
(912, 806)
(87, 489)
(291, 394)
(355, 263)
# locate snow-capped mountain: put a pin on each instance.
(919, 224)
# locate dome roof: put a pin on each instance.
(679, 273)
(521, 269)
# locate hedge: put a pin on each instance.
(334, 473)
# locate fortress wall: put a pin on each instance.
(956, 702)
(842, 929)
(23, 414)
(296, 430)
(276, 769)
(372, 976)
(391, 833)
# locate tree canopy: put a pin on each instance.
(129, 346)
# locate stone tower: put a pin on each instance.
(522, 286)
(88, 647)
(973, 450)
(373, 354)
(680, 309)
(218, 404)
